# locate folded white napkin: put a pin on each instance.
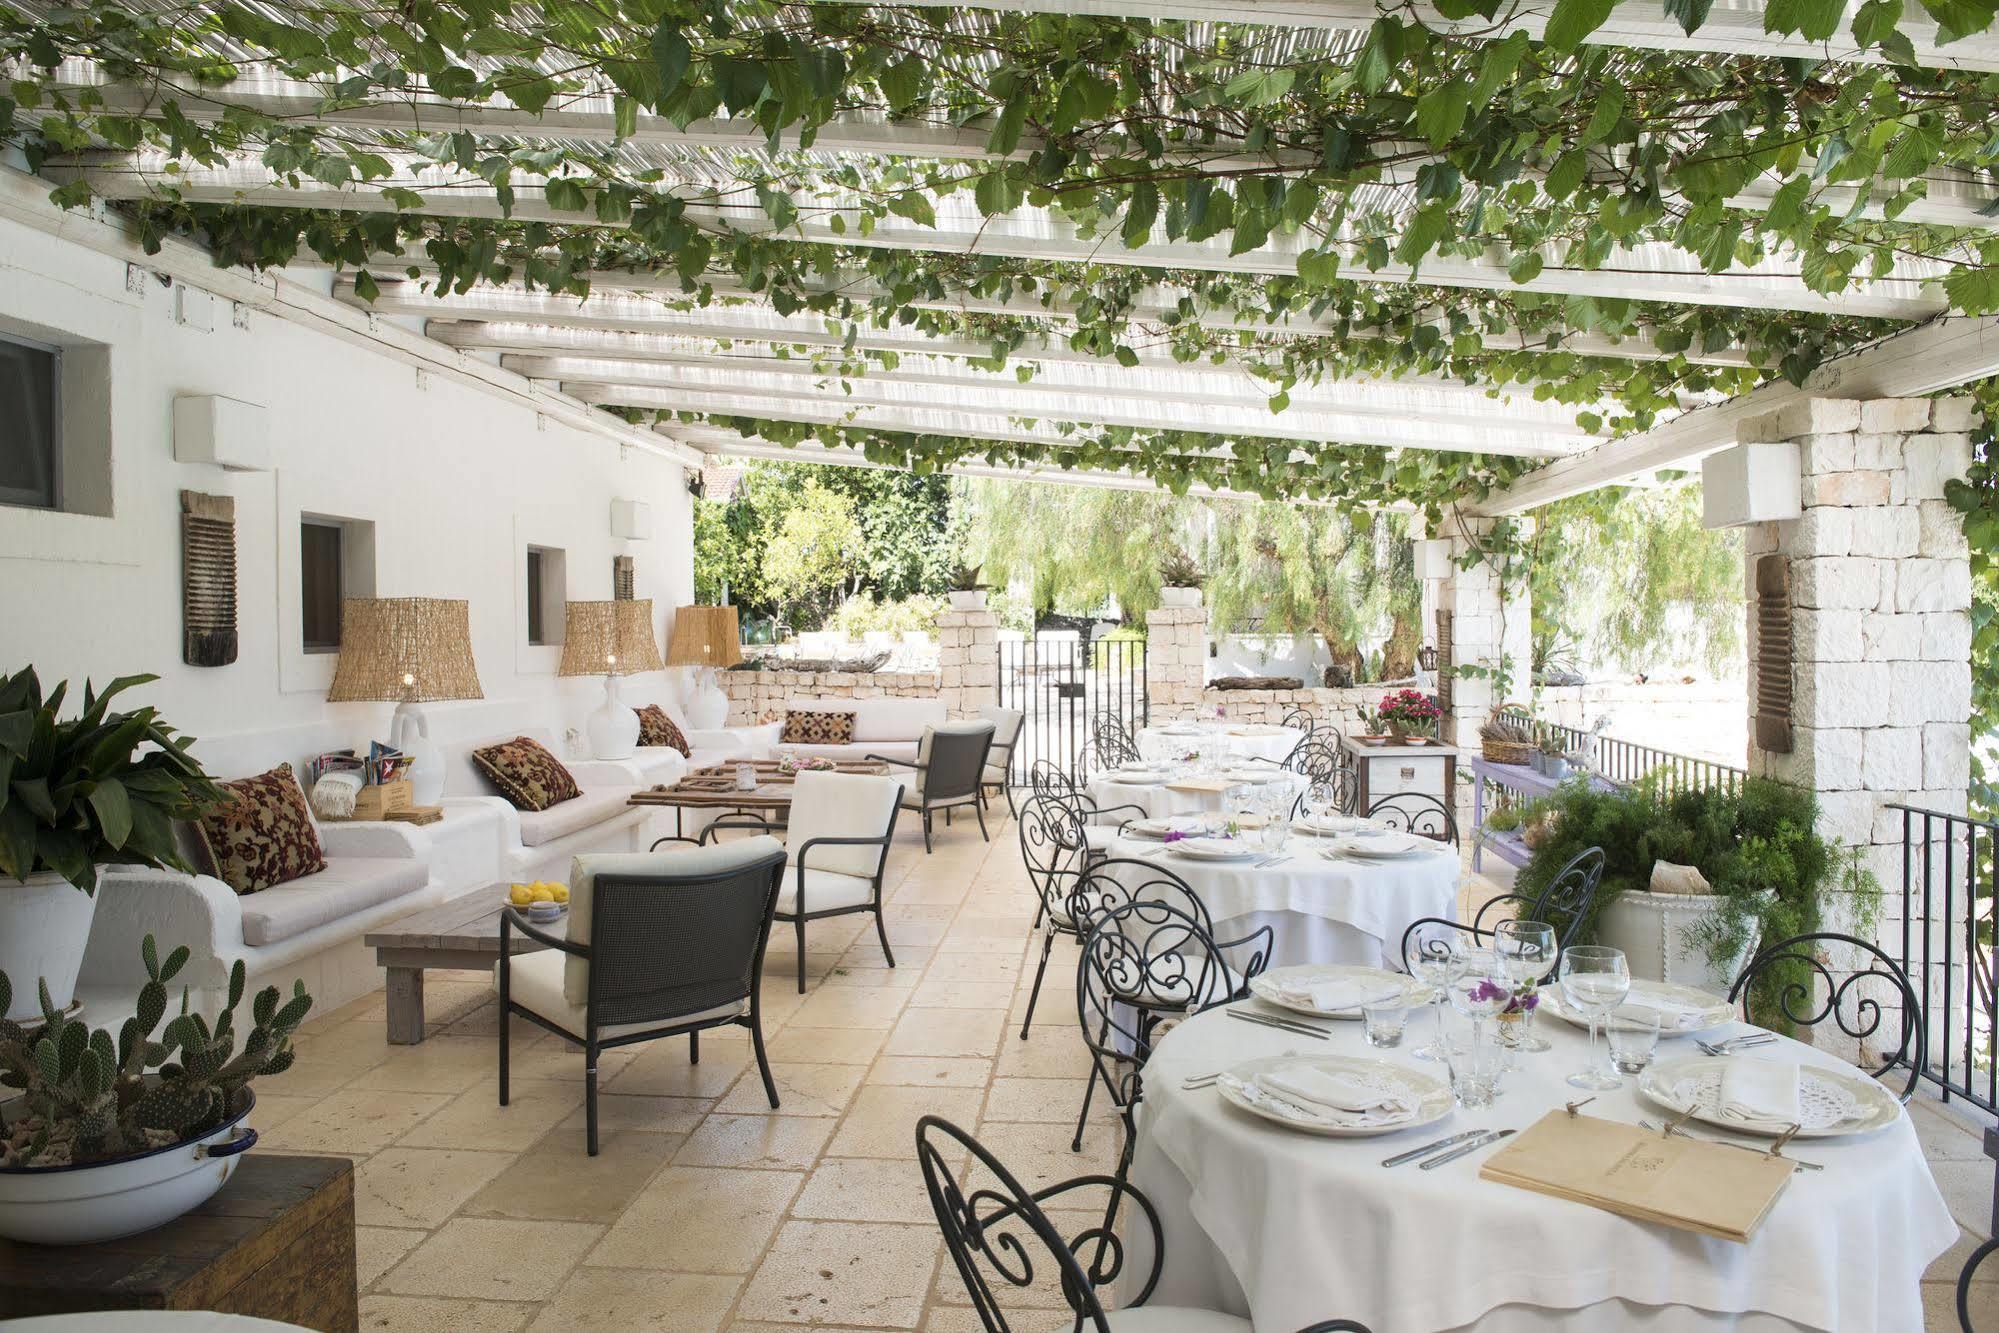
(1333, 1094)
(1338, 993)
(1760, 1090)
(1675, 1015)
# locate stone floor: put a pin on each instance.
(705, 1211)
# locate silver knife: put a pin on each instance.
(1429, 1148)
(1481, 1141)
(1279, 1024)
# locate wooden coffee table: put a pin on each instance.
(714, 788)
(463, 934)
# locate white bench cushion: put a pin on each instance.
(536, 983)
(349, 884)
(855, 750)
(539, 827)
(840, 805)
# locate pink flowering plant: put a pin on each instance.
(1412, 710)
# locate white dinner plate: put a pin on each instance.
(1332, 826)
(1254, 776)
(1833, 1102)
(1376, 845)
(1717, 1010)
(1268, 986)
(1181, 729)
(1157, 828)
(1136, 777)
(1217, 849)
(1237, 1087)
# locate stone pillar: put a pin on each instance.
(1880, 592)
(1176, 660)
(1491, 630)
(967, 661)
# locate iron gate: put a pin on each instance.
(1061, 685)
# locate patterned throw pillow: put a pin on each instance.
(527, 774)
(817, 729)
(262, 835)
(656, 728)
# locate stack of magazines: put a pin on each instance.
(384, 763)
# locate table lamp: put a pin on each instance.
(413, 650)
(612, 640)
(706, 639)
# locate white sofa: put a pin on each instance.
(889, 727)
(538, 844)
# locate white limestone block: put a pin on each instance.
(1946, 636)
(1946, 755)
(1932, 460)
(1889, 531)
(1836, 583)
(1891, 757)
(1812, 416)
(1826, 453)
(1843, 694)
(1848, 488)
(1889, 636)
(1940, 530)
(1828, 758)
(1932, 585)
(1828, 636)
(1881, 453)
(1824, 531)
(1894, 414)
(1957, 413)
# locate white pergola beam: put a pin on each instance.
(1733, 27)
(1649, 272)
(1940, 355)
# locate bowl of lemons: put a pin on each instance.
(542, 900)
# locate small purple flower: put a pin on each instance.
(1486, 992)
(1174, 835)
(1522, 1003)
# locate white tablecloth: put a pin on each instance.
(1287, 1228)
(1319, 911)
(1250, 740)
(1160, 801)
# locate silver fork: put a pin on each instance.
(1733, 1044)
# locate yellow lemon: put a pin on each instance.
(542, 894)
(561, 893)
(520, 895)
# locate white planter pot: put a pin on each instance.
(1655, 931)
(79, 1205)
(44, 924)
(967, 601)
(1179, 597)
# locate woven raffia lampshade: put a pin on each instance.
(406, 649)
(609, 639)
(705, 636)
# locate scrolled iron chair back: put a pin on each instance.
(1302, 718)
(1119, 882)
(1419, 813)
(1047, 777)
(1565, 899)
(1108, 748)
(1822, 991)
(1141, 962)
(1315, 760)
(1053, 846)
(997, 1232)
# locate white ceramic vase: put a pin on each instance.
(614, 728)
(409, 731)
(1179, 597)
(1656, 931)
(702, 702)
(44, 926)
(968, 601)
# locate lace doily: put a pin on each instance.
(1822, 1103)
(1262, 1098)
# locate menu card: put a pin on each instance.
(1680, 1182)
(1213, 785)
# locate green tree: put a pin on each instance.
(1977, 499)
(810, 552)
(1077, 548)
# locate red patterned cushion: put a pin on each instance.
(814, 728)
(527, 774)
(656, 728)
(262, 835)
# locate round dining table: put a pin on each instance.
(1321, 907)
(1244, 740)
(1287, 1228)
(1164, 797)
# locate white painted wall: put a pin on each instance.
(456, 479)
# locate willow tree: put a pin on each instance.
(1078, 550)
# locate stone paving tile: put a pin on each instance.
(492, 1258)
(844, 1273)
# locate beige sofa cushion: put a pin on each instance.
(539, 827)
(349, 884)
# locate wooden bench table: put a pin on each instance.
(463, 934)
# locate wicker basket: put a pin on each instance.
(1506, 752)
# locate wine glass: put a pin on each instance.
(1438, 963)
(1595, 979)
(1526, 951)
(1320, 799)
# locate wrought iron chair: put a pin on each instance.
(1048, 780)
(1803, 975)
(837, 860)
(1054, 847)
(994, 1228)
(1047, 776)
(1317, 760)
(1564, 902)
(1302, 718)
(1983, 1252)
(1149, 954)
(950, 761)
(1419, 813)
(657, 946)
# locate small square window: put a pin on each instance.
(336, 560)
(30, 424)
(547, 595)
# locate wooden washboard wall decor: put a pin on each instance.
(1773, 654)
(208, 579)
(622, 587)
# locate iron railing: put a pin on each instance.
(1061, 686)
(1946, 947)
(1626, 762)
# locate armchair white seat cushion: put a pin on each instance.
(825, 891)
(536, 983)
(347, 885)
(913, 791)
(594, 806)
(583, 872)
(838, 805)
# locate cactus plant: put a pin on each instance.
(87, 1098)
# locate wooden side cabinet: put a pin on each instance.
(1385, 770)
(276, 1242)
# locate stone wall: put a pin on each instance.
(1335, 708)
(968, 660)
(1176, 661)
(760, 696)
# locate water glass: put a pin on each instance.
(1595, 979)
(1633, 1041)
(1437, 963)
(1276, 831)
(1474, 1058)
(1384, 1019)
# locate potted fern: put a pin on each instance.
(78, 793)
(108, 1138)
(965, 590)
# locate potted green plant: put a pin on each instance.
(109, 1137)
(1408, 713)
(1769, 873)
(1180, 579)
(1554, 757)
(100, 788)
(965, 590)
